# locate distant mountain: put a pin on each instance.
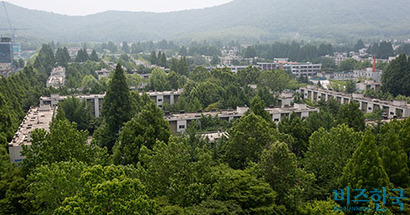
(243, 20)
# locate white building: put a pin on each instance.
(36, 118)
(56, 78)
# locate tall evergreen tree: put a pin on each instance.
(153, 58)
(258, 107)
(143, 130)
(359, 45)
(117, 105)
(396, 78)
(94, 56)
(351, 115)
(365, 169)
(125, 47)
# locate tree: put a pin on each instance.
(45, 59)
(117, 106)
(158, 81)
(394, 157)
(396, 78)
(144, 129)
(276, 80)
(359, 45)
(249, 75)
(50, 184)
(253, 195)
(82, 56)
(350, 86)
(63, 143)
(62, 57)
(296, 128)
(162, 61)
(351, 115)
(94, 56)
(77, 111)
(12, 186)
(153, 58)
(108, 190)
(125, 47)
(365, 169)
(247, 138)
(348, 65)
(258, 108)
(183, 68)
(328, 153)
(173, 79)
(279, 168)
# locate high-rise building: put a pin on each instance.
(6, 54)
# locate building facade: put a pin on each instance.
(390, 109)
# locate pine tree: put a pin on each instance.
(365, 169)
(117, 104)
(183, 67)
(351, 115)
(94, 56)
(153, 58)
(396, 78)
(258, 107)
(394, 157)
(143, 130)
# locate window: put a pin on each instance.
(181, 126)
(159, 100)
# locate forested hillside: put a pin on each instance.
(240, 19)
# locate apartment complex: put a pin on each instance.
(37, 117)
(94, 101)
(390, 109)
(56, 78)
(180, 122)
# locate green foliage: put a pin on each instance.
(94, 56)
(45, 59)
(295, 127)
(328, 153)
(253, 195)
(392, 153)
(351, 115)
(108, 190)
(396, 78)
(144, 129)
(62, 57)
(365, 169)
(77, 111)
(320, 207)
(176, 171)
(247, 138)
(12, 186)
(116, 108)
(82, 56)
(348, 65)
(350, 86)
(359, 45)
(279, 168)
(382, 50)
(258, 108)
(63, 143)
(158, 81)
(50, 184)
(276, 80)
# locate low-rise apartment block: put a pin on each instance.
(37, 117)
(179, 122)
(56, 78)
(390, 109)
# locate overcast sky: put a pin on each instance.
(85, 7)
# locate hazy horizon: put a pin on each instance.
(89, 7)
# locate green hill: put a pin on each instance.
(242, 20)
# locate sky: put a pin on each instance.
(86, 7)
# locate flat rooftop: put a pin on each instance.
(36, 117)
(236, 113)
(358, 96)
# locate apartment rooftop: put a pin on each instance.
(359, 96)
(36, 118)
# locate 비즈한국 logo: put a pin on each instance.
(377, 196)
